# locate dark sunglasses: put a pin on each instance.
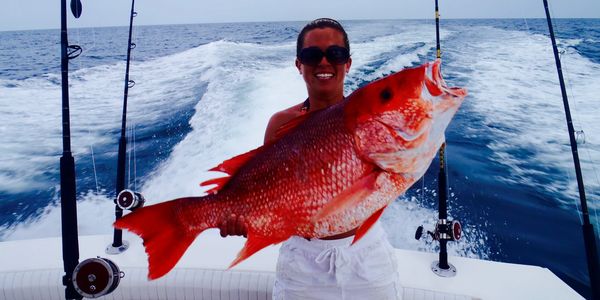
(312, 56)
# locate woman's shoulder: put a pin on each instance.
(280, 118)
(289, 113)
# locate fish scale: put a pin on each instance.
(328, 172)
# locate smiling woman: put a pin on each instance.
(319, 43)
(324, 80)
(323, 60)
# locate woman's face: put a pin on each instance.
(324, 79)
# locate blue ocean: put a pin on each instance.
(204, 93)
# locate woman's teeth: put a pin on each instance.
(324, 75)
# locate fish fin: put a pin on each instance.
(254, 244)
(349, 197)
(159, 227)
(232, 165)
(434, 84)
(220, 182)
(367, 224)
(289, 126)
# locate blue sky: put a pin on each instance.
(42, 14)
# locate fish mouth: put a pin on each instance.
(406, 153)
(399, 133)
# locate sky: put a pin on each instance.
(45, 14)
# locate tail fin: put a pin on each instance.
(164, 236)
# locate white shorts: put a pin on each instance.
(332, 269)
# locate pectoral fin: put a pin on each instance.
(350, 197)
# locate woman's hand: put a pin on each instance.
(233, 225)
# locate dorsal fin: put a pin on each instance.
(220, 182)
(230, 166)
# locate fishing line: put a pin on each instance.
(79, 67)
(527, 28)
(595, 209)
(589, 235)
(576, 116)
(580, 125)
(571, 178)
(94, 163)
(93, 39)
(447, 167)
(423, 189)
(569, 170)
(128, 158)
(133, 125)
(78, 41)
(134, 161)
(577, 119)
(131, 129)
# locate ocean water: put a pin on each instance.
(205, 92)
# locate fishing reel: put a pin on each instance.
(96, 277)
(129, 200)
(126, 200)
(444, 230)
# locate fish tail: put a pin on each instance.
(165, 237)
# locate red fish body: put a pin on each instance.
(328, 172)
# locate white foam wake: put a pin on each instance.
(245, 84)
(514, 86)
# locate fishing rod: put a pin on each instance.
(93, 277)
(126, 199)
(68, 204)
(445, 230)
(438, 52)
(589, 236)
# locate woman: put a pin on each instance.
(326, 268)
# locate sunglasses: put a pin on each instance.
(312, 56)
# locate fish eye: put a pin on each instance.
(385, 95)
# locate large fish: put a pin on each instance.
(327, 172)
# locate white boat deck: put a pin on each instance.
(32, 269)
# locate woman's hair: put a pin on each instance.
(321, 23)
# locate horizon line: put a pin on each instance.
(288, 21)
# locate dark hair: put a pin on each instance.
(321, 23)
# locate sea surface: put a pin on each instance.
(204, 93)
